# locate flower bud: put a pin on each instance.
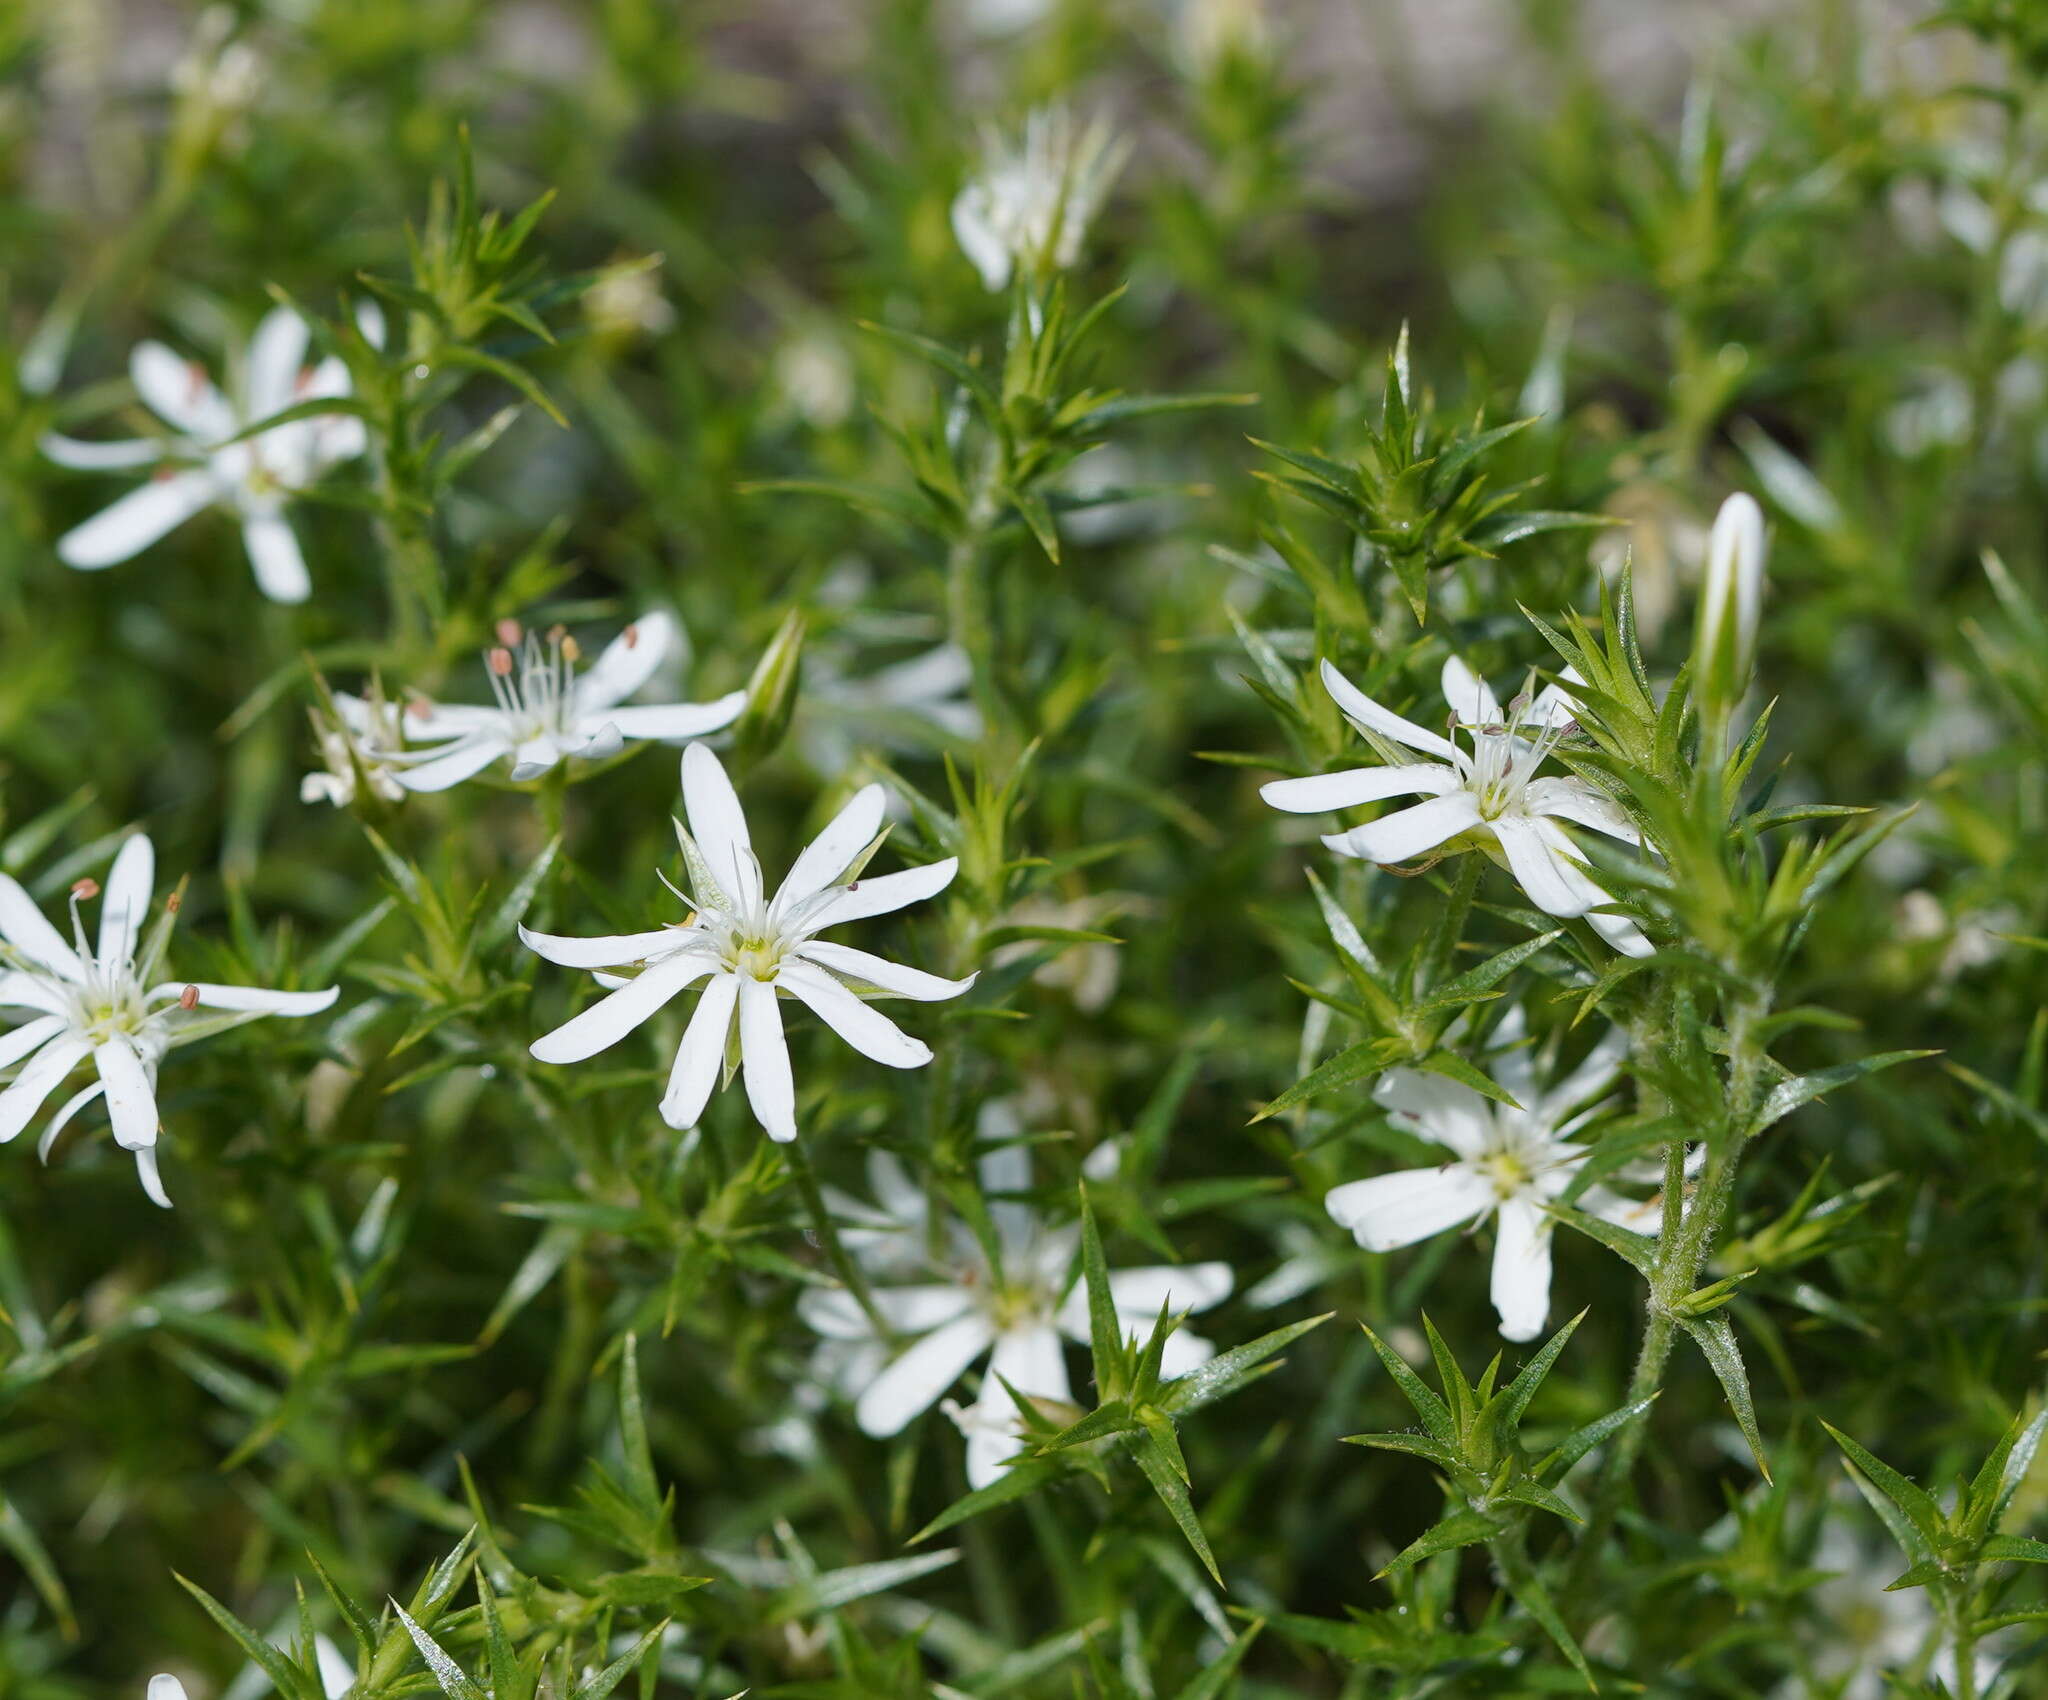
(1731, 600)
(772, 691)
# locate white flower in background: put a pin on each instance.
(1209, 34)
(1506, 1163)
(752, 950)
(546, 712)
(1019, 1313)
(1490, 799)
(198, 467)
(358, 736)
(98, 1006)
(906, 706)
(627, 302)
(1030, 205)
(890, 1235)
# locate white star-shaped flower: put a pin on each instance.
(1491, 797)
(1506, 1163)
(98, 1006)
(1020, 1314)
(752, 950)
(545, 711)
(198, 467)
(1030, 205)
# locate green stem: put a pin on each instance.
(970, 619)
(1682, 1253)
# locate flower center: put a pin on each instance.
(1508, 1171)
(753, 955)
(535, 686)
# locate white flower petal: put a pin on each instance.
(465, 761)
(973, 229)
(626, 663)
(694, 1074)
(719, 825)
(1554, 881)
(23, 926)
(1183, 1354)
(180, 394)
(1436, 1108)
(878, 971)
(1389, 1211)
(33, 991)
(909, 1385)
(1411, 832)
(1188, 1286)
(1521, 1269)
(611, 1018)
(882, 895)
(1321, 792)
(55, 1126)
(612, 950)
(1575, 800)
(764, 1059)
(862, 1026)
(1032, 1360)
(131, 524)
(277, 354)
(836, 1313)
(256, 1000)
(131, 1094)
(1363, 711)
(166, 1687)
(827, 856)
(101, 457)
(1591, 1077)
(146, 1171)
(1622, 934)
(37, 1080)
(1471, 698)
(678, 720)
(124, 904)
(17, 1044)
(275, 555)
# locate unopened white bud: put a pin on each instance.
(1731, 603)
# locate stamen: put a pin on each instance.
(510, 633)
(85, 890)
(499, 661)
(188, 999)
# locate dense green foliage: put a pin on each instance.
(675, 320)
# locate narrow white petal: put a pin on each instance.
(23, 926)
(146, 1171)
(882, 895)
(124, 905)
(1553, 881)
(1521, 1269)
(764, 1059)
(1435, 1108)
(679, 720)
(55, 1126)
(719, 825)
(610, 1019)
(131, 1094)
(862, 1026)
(627, 663)
(1389, 1211)
(1319, 793)
(1363, 711)
(1138, 1293)
(33, 991)
(694, 1074)
(166, 1687)
(1591, 1077)
(1638, 1215)
(101, 457)
(1032, 1360)
(1622, 934)
(827, 856)
(180, 393)
(611, 950)
(277, 353)
(256, 1000)
(1575, 800)
(25, 1038)
(274, 553)
(1471, 698)
(1184, 1354)
(37, 1080)
(878, 971)
(465, 761)
(135, 521)
(836, 1313)
(1411, 832)
(908, 1386)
